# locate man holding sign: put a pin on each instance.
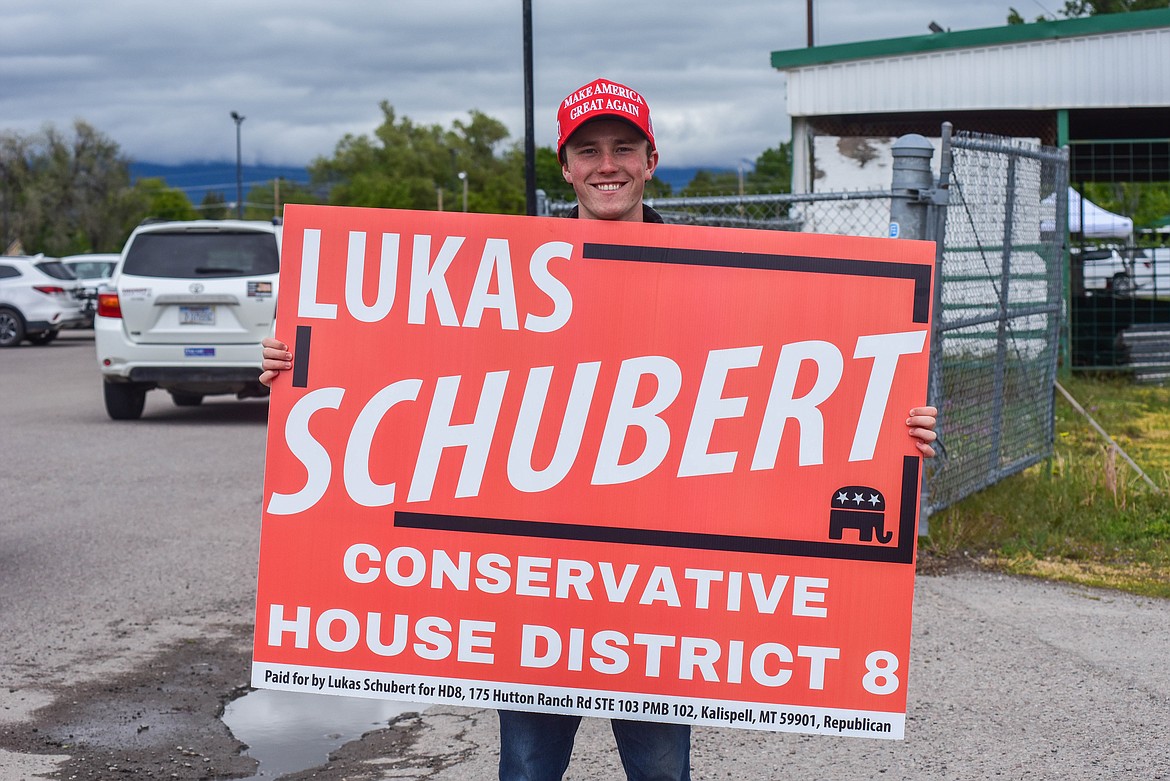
(605, 141)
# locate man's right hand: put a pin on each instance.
(277, 359)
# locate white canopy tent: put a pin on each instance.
(1099, 223)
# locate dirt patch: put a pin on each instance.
(370, 757)
(933, 563)
(164, 721)
(161, 721)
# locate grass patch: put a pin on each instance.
(1084, 515)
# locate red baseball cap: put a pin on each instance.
(602, 98)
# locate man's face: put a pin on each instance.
(608, 162)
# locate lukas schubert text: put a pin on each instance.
(429, 294)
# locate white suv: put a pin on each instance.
(93, 272)
(187, 308)
(38, 297)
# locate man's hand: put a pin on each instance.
(277, 359)
(921, 425)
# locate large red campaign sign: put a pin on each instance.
(616, 469)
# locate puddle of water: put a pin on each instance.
(290, 731)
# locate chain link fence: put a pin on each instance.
(863, 213)
(999, 303)
(998, 213)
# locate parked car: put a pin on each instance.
(1125, 271)
(1105, 271)
(38, 297)
(1151, 272)
(185, 313)
(94, 272)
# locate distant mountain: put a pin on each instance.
(197, 179)
(679, 178)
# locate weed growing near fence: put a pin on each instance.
(1084, 515)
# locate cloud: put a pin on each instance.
(160, 79)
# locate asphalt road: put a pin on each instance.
(127, 576)
(120, 543)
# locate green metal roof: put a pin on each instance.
(967, 39)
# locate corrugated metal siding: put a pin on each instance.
(1101, 71)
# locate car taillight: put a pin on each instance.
(49, 290)
(108, 305)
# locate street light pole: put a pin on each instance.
(463, 178)
(529, 134)
(239, 120)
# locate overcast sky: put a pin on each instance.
(160, 77)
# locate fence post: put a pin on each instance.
(912, 176)
(910, 215)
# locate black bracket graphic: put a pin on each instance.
(903, 553)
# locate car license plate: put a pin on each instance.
(196, 315)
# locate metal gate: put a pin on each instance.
(999, 303)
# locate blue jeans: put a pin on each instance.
(537, 746)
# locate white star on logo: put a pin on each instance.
(842, 497)
(874, 500)
(857, 498)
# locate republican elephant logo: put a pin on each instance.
(862, 508)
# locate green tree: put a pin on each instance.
(549, 177)
(493, 167)
(1077, 8)
(1145, 202)
(405, 165)
(411, 166)
(15, 174)
(706, 182)
(64, 194)
(771, 173)
(158, 201)
(213, 206)
(265, 201)
(1074, 8)
(656, 188)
